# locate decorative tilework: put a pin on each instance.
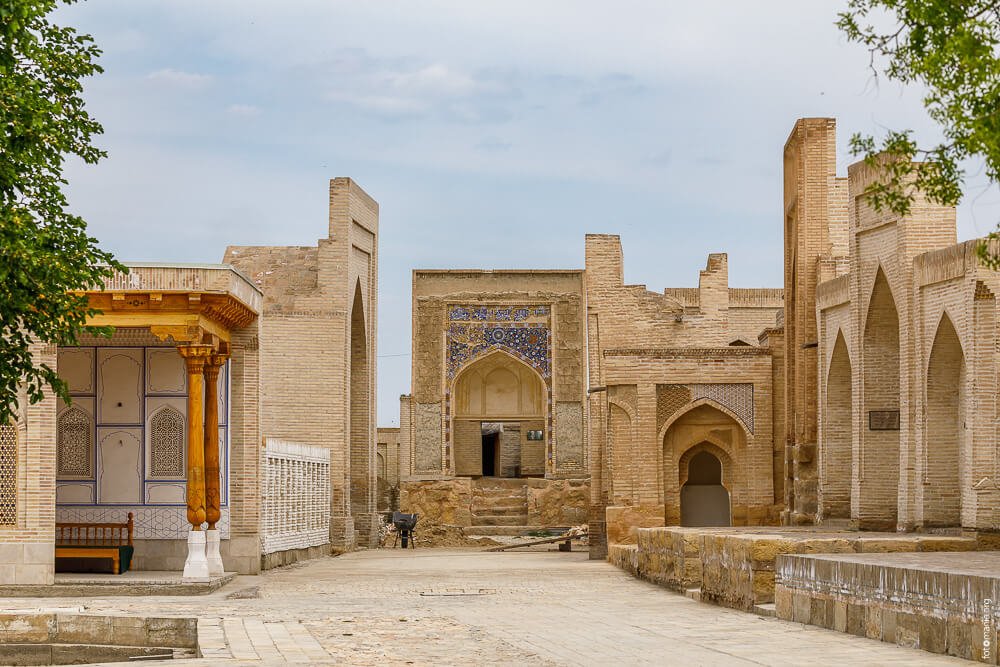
(151, 523)
(528, 342)
(736, 397)
(8, 475)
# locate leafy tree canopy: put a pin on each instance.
(952, 48)
(45, 252)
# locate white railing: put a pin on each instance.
(296, 499)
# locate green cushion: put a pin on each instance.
(95, 564)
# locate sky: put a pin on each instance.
(492, 134)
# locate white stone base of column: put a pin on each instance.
(196, 565)
(212, 555)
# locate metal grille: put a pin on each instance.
(8, 475)
(296, 496)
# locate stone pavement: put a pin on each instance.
(453, 607)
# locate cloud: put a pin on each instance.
(493, 145)
(179, 79)
(244, 110)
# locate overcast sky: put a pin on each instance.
(492, 134)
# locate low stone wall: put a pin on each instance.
(558, 502)
(87, 629)
(938, 602)
(625, 557)
(549, 502)
(735, 567)
(624, 521)
(444, 501)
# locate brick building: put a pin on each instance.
(236, 397)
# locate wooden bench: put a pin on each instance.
(94, 540)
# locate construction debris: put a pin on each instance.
(574, 533)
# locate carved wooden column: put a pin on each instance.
(196, 566)
(212, 474)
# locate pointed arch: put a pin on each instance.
(878, 468)
(944, 429)
(499, 405)
(360, 471)
(836, 438)
(704, 498)
(693, 405)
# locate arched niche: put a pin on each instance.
(499, 406)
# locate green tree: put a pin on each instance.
(45, 251)
(952, 48)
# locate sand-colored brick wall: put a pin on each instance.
(815, 212)
(308, 391)
(436, 433)
(27, 549)
(654, 358)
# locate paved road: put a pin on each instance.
(449, 607)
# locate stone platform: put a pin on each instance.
(939, 602)
(735, 567)
(140, 582)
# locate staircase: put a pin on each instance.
(499, 506)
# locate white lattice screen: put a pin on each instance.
(296, 496)
(8, 475)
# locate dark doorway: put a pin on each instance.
(491, 442)
(704, 500)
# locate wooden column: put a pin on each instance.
(213, 496)
(195, 356)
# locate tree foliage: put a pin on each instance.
(45, 252)
(952, 48)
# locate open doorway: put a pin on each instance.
(704, 500)
(491, 448)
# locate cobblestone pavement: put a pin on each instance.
(451, 607)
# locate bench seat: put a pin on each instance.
(94, 558)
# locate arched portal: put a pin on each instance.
(704, 499)
(943, 444)
(360, 468)
(499, 423)
(705, 426)
(879, 471)
(835, 447)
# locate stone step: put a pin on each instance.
(518, 510)
(499, 520)
(764, 609)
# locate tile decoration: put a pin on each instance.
(150, 523)
(737, 397)
(523, 331)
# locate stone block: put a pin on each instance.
(933, 633)
(889, 626)
(908, 630)
(34, 574)
(801, 607)
(83, 629)
(783, 603)
(11, 552)
(856, 619)
(26, 628)
(840, 616)
(873, 621)
(26, 654)
(39, 552)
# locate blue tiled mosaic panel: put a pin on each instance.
(528, 342)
